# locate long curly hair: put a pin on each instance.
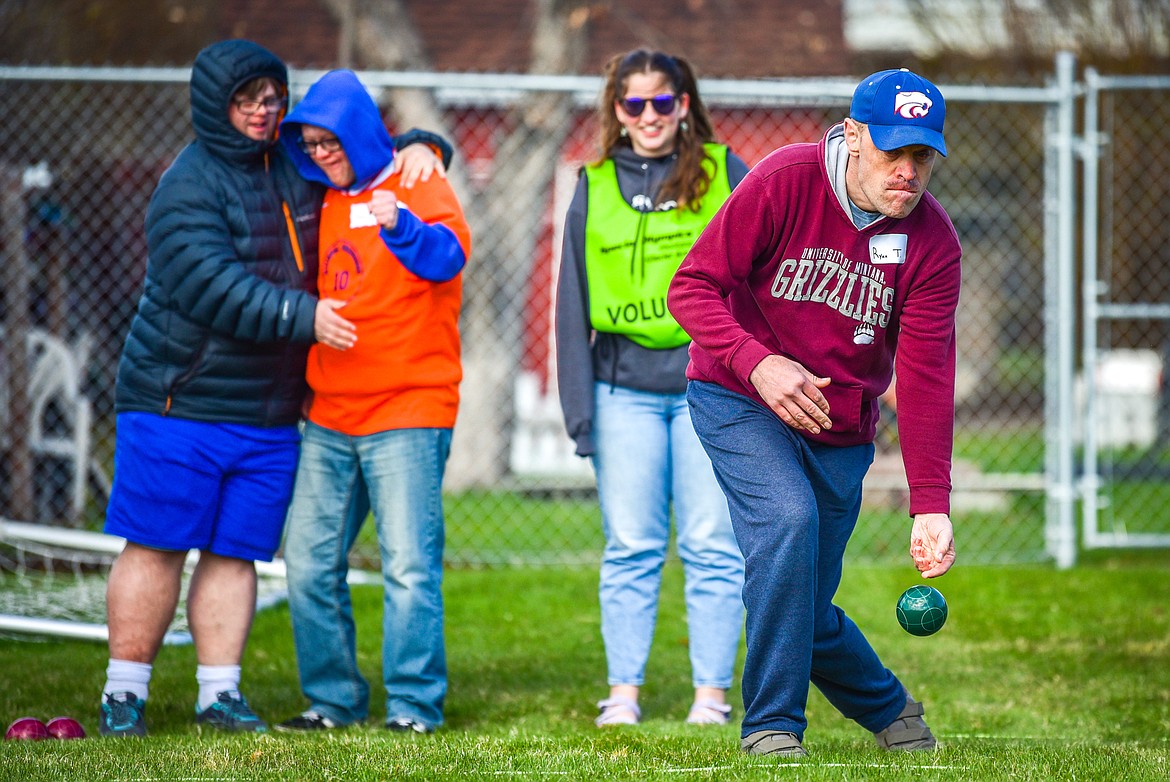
(690, 180)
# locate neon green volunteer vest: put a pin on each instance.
(631, 256)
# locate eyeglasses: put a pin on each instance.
(326, 145)
(663, 104)
(270, 105)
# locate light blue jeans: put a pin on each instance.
(647, 458)
(398, 474)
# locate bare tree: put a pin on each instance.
(513, 205)
(381, 36)
(1118, 32)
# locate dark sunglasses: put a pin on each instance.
(663, 104)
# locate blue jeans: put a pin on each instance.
(398, 474)
(794, 504)
(648, 457)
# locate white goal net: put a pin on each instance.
(53, 583)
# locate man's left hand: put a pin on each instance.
(416, 163)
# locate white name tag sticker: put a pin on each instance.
(360, 216)
(887, 248)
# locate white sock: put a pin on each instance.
(214, 679)
(128, 676)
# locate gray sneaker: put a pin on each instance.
(231, 712)
(908, 732)
(772, 742)
(122, 715)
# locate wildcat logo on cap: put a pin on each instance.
(912, 105)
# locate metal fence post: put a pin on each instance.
(1060, 318)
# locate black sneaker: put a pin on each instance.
(408, 725)
(122, 715)
(307, 721)
(231, 712)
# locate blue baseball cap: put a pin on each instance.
(901, 109)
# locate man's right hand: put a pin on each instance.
(793, 393)
(932, 544)
(330, 328)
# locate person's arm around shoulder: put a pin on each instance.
(430, 235)
(419, 154)
(195, 262)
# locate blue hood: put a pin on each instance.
(340, 103)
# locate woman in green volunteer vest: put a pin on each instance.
(621, 372)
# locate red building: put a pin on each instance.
(746, 39)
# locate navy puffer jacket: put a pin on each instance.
(226, 315)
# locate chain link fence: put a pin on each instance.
(83, 148)
(1126, 303)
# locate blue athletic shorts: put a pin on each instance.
(181, 485)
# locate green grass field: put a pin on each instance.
(1039, 674)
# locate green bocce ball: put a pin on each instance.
(922, 610)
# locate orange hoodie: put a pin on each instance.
(404, 370)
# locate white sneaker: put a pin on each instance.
(709, 712)
(617, 711)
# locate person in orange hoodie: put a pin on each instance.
(380, 415)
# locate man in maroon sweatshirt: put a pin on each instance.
(829, 267)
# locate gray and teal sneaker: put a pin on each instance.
(122, 715)
(231, 712)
